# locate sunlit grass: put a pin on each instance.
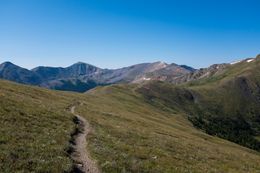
(35, 129)
(130, 135)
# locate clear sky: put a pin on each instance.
(117, 33)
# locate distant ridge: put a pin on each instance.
(82, 76)
(10, 71)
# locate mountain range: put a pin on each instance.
(82, 76)
(156, 117)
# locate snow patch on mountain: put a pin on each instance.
(235, 62)
(144, 78)
(250, 60)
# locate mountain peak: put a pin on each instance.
(81, 68)
(10, 71)
(160, 62)
(79, 63)
(7, 63)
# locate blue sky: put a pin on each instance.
(117, 33)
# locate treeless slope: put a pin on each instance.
(131, 135)
(81, 156)
(35, 129)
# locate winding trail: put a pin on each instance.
(80, 155)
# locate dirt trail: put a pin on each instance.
(81, 155)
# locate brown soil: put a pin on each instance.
(80, 155)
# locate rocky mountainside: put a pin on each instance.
(74, 71)
(82, 77)
(15, 73)
(199, 74)
(180, 75)
(69, 78)
(164, 74)
(214, 70)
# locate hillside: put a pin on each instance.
(225, 104)
(148, 127)
(35, 129)
(128, 134)
(132, 135)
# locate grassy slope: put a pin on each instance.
(35, 129)
(130, 132)
(227, 105)
(131, 135)
(235, 100)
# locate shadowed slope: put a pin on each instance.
(226, 104)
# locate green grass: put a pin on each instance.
(35, 129)
(226, 105)
(230, 107)
(134, 128)
(131, 135)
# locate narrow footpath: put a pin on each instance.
(80, 154)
